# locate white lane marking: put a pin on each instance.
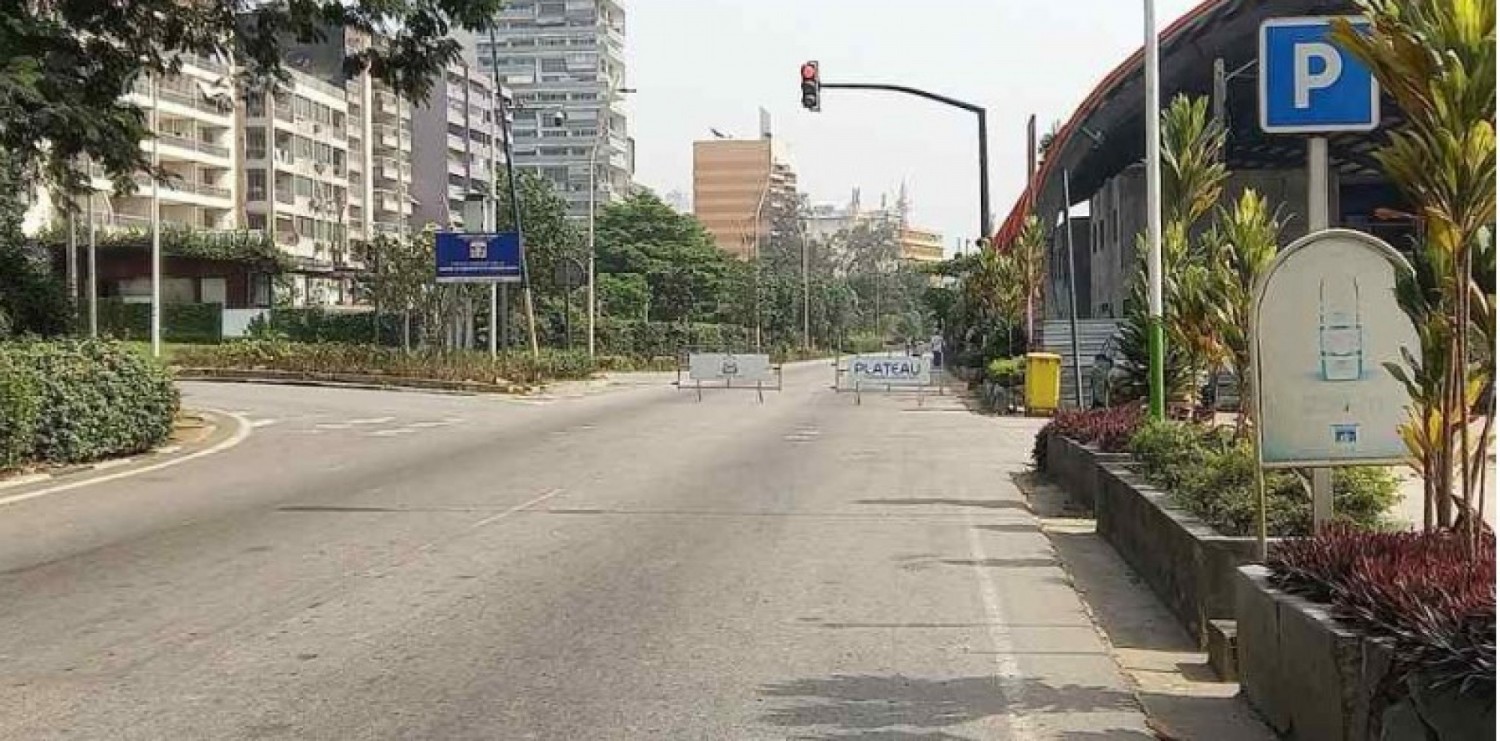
(242, 432)
(391, 432)
(371, 421)
(331, 426)
(426, 425)
(507, 513)
(264, 422)
(1007, 670)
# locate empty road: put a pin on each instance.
(631, 564)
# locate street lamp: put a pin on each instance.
(1156, 340)
(601, 128)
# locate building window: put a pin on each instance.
(255, 185)
(255, 103)
(554, 64)
(255, 143)
(302, 186)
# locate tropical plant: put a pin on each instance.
(63, 64)
(1241, 246)
(1193, 174)
(1437, 61)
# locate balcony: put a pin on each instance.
(197, 145)
(178, 185)
(184, 91)
(390, 169)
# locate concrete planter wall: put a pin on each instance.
(1315, 678)
(1189, 565)
(1077, 467)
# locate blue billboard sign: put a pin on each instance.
(1308, 84)
(478, 257)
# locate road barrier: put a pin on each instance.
(890, 372)
(729, 370)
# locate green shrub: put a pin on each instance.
(1210, 474)
(95, 399)
(335, 357)
(1006, 371)
(20, 405)
(317, 324)
(191, 323)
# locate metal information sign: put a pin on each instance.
(467, 257)
(1308, 84)
(1324, 322)
(729, 368)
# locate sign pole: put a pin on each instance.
(1317, 220)
(1072, 294)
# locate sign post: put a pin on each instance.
(1323, 324)
(1308, 85)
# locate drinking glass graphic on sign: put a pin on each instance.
(1340, 334)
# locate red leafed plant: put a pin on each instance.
(1107, 429)
(1420, 590)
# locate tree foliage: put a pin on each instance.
(1437, 60)
(65, 63)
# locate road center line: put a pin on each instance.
(1007, 670)
(492, 518)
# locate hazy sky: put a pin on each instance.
(712, 63)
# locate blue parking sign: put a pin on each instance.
(478, 257)
(1308, 84)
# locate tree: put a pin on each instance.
(32, 299)
(64, 64)
(683, 267)
(1437, 61)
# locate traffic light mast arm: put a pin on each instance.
(956, 103)
(984, 149)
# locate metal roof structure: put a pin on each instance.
(1106, 133)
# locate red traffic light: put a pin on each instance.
(810, 71)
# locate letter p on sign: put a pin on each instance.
(1309, 85)
(1304, 79)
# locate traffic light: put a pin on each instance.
(812, 87)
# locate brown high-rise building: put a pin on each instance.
(735, 181)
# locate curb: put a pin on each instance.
(349, 380)
(228, 430)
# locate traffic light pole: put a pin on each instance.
(984, 148)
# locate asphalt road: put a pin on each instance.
(623, 565)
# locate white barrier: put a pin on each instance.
(731, 368)
(237, 321)
(889, 371)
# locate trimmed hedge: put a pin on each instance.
(335, 357)
(315, 324)
(191, 323)
(1212, 475)
(651, 339)
(71, 401)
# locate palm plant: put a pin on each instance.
(1193, 174)
(1437, 60)
(1242, 244)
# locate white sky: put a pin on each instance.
(712, 63)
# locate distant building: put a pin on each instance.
(735, 181)
(565, 62)
(921, 245)
(918, 244)
(456, 147)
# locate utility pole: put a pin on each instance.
(978, 111)
(806, 291)
(155, 219)
(515, 195)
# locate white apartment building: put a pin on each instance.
(565, 62)
(197, 133)
(455, 147)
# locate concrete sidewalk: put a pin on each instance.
(1170, 676)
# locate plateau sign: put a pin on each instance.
(889, 370)
(1324, 323)
(729, 367)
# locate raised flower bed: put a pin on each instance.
(1370, 636)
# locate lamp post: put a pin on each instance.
(601, 128)
(1156, 338)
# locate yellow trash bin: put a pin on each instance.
(1043, 382)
